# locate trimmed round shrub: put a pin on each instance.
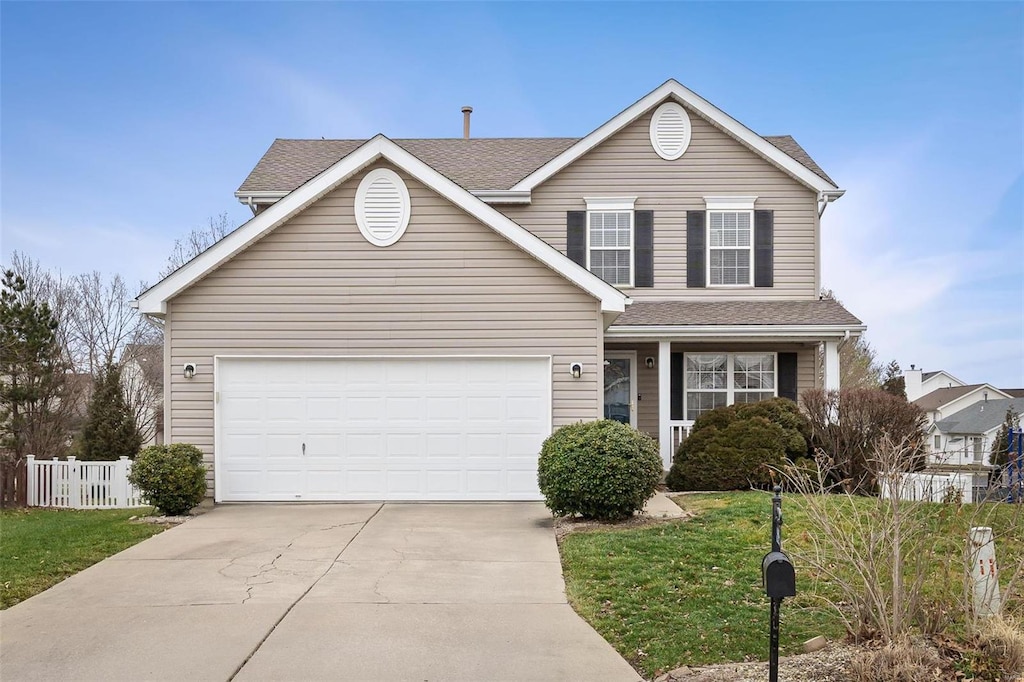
(786, 414)
(601, 470)
(736, 457)
(733, 448)
(172, 477)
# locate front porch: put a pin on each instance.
(660, 377)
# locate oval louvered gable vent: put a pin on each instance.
(670, 131)
(382, 207)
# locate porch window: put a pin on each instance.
(716, 379)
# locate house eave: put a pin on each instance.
(489, 196)
(767, 332)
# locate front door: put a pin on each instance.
(620, 387)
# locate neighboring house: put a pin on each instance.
(409, 319)
(920, 383)
(142, 377)
(964, 439)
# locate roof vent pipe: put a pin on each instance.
(466, 111)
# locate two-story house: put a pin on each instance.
(409, 319)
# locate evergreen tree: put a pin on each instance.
(1000, 446)
(893, 382)
(33, 379)
(110, 431)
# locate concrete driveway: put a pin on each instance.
(316, 592)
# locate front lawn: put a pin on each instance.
(41, 547)
(689, 592)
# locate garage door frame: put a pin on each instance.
(217, 477)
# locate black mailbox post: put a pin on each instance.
(779, 580)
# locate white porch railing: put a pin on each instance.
(931, 487)
(680, 430)
(81, 485)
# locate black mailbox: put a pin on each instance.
(778, 575)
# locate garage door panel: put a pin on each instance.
(365, 481)
(417, 428)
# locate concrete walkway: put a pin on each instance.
(316, 592)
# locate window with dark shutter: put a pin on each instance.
(576, 237)
(787, 376)
(643, 248)
(676, 386)
(695, 245)
(764, 249)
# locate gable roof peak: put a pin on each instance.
(673, 88)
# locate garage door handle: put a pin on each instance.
(303, 449)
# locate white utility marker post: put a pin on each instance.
(984, 572)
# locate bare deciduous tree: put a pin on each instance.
(143, 380)
(197, 241)
(848, 425)
(858, 363)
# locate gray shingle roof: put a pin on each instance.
(787, 144)
(474, 164)
(699, 313)
(981, 417)
(941, 396)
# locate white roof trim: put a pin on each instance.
(755, 331)
(154, 300)
(673, 88)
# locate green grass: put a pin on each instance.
(41, 547)
(689, 592)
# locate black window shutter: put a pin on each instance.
(643, 248)
(787, 376)
(696, 240)
(676, 386)
(576, 236)
(764, 250)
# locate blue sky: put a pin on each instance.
(126, 125)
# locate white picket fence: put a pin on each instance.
(933, 487)
(81, 485)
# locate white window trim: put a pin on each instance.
(729, 203)
(730, 367)
(708, 248)
(615, 205)
(610, 203)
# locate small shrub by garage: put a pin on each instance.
(601, 470)
(172, 477)
(734, 447)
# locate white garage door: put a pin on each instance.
(380, 429)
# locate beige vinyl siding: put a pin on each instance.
(314, 286)
(647, 379)
(714, 164)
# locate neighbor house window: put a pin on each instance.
(976, 444)
(610, 239)
(938, 443)
(716, 379)
(730, 248)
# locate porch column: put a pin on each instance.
(831, 366)
(665, 401)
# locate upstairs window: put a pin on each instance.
(611, 246)
(730, 248)
(610, 240)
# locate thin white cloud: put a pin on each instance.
(896, 250)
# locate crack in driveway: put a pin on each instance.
(307, 590)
